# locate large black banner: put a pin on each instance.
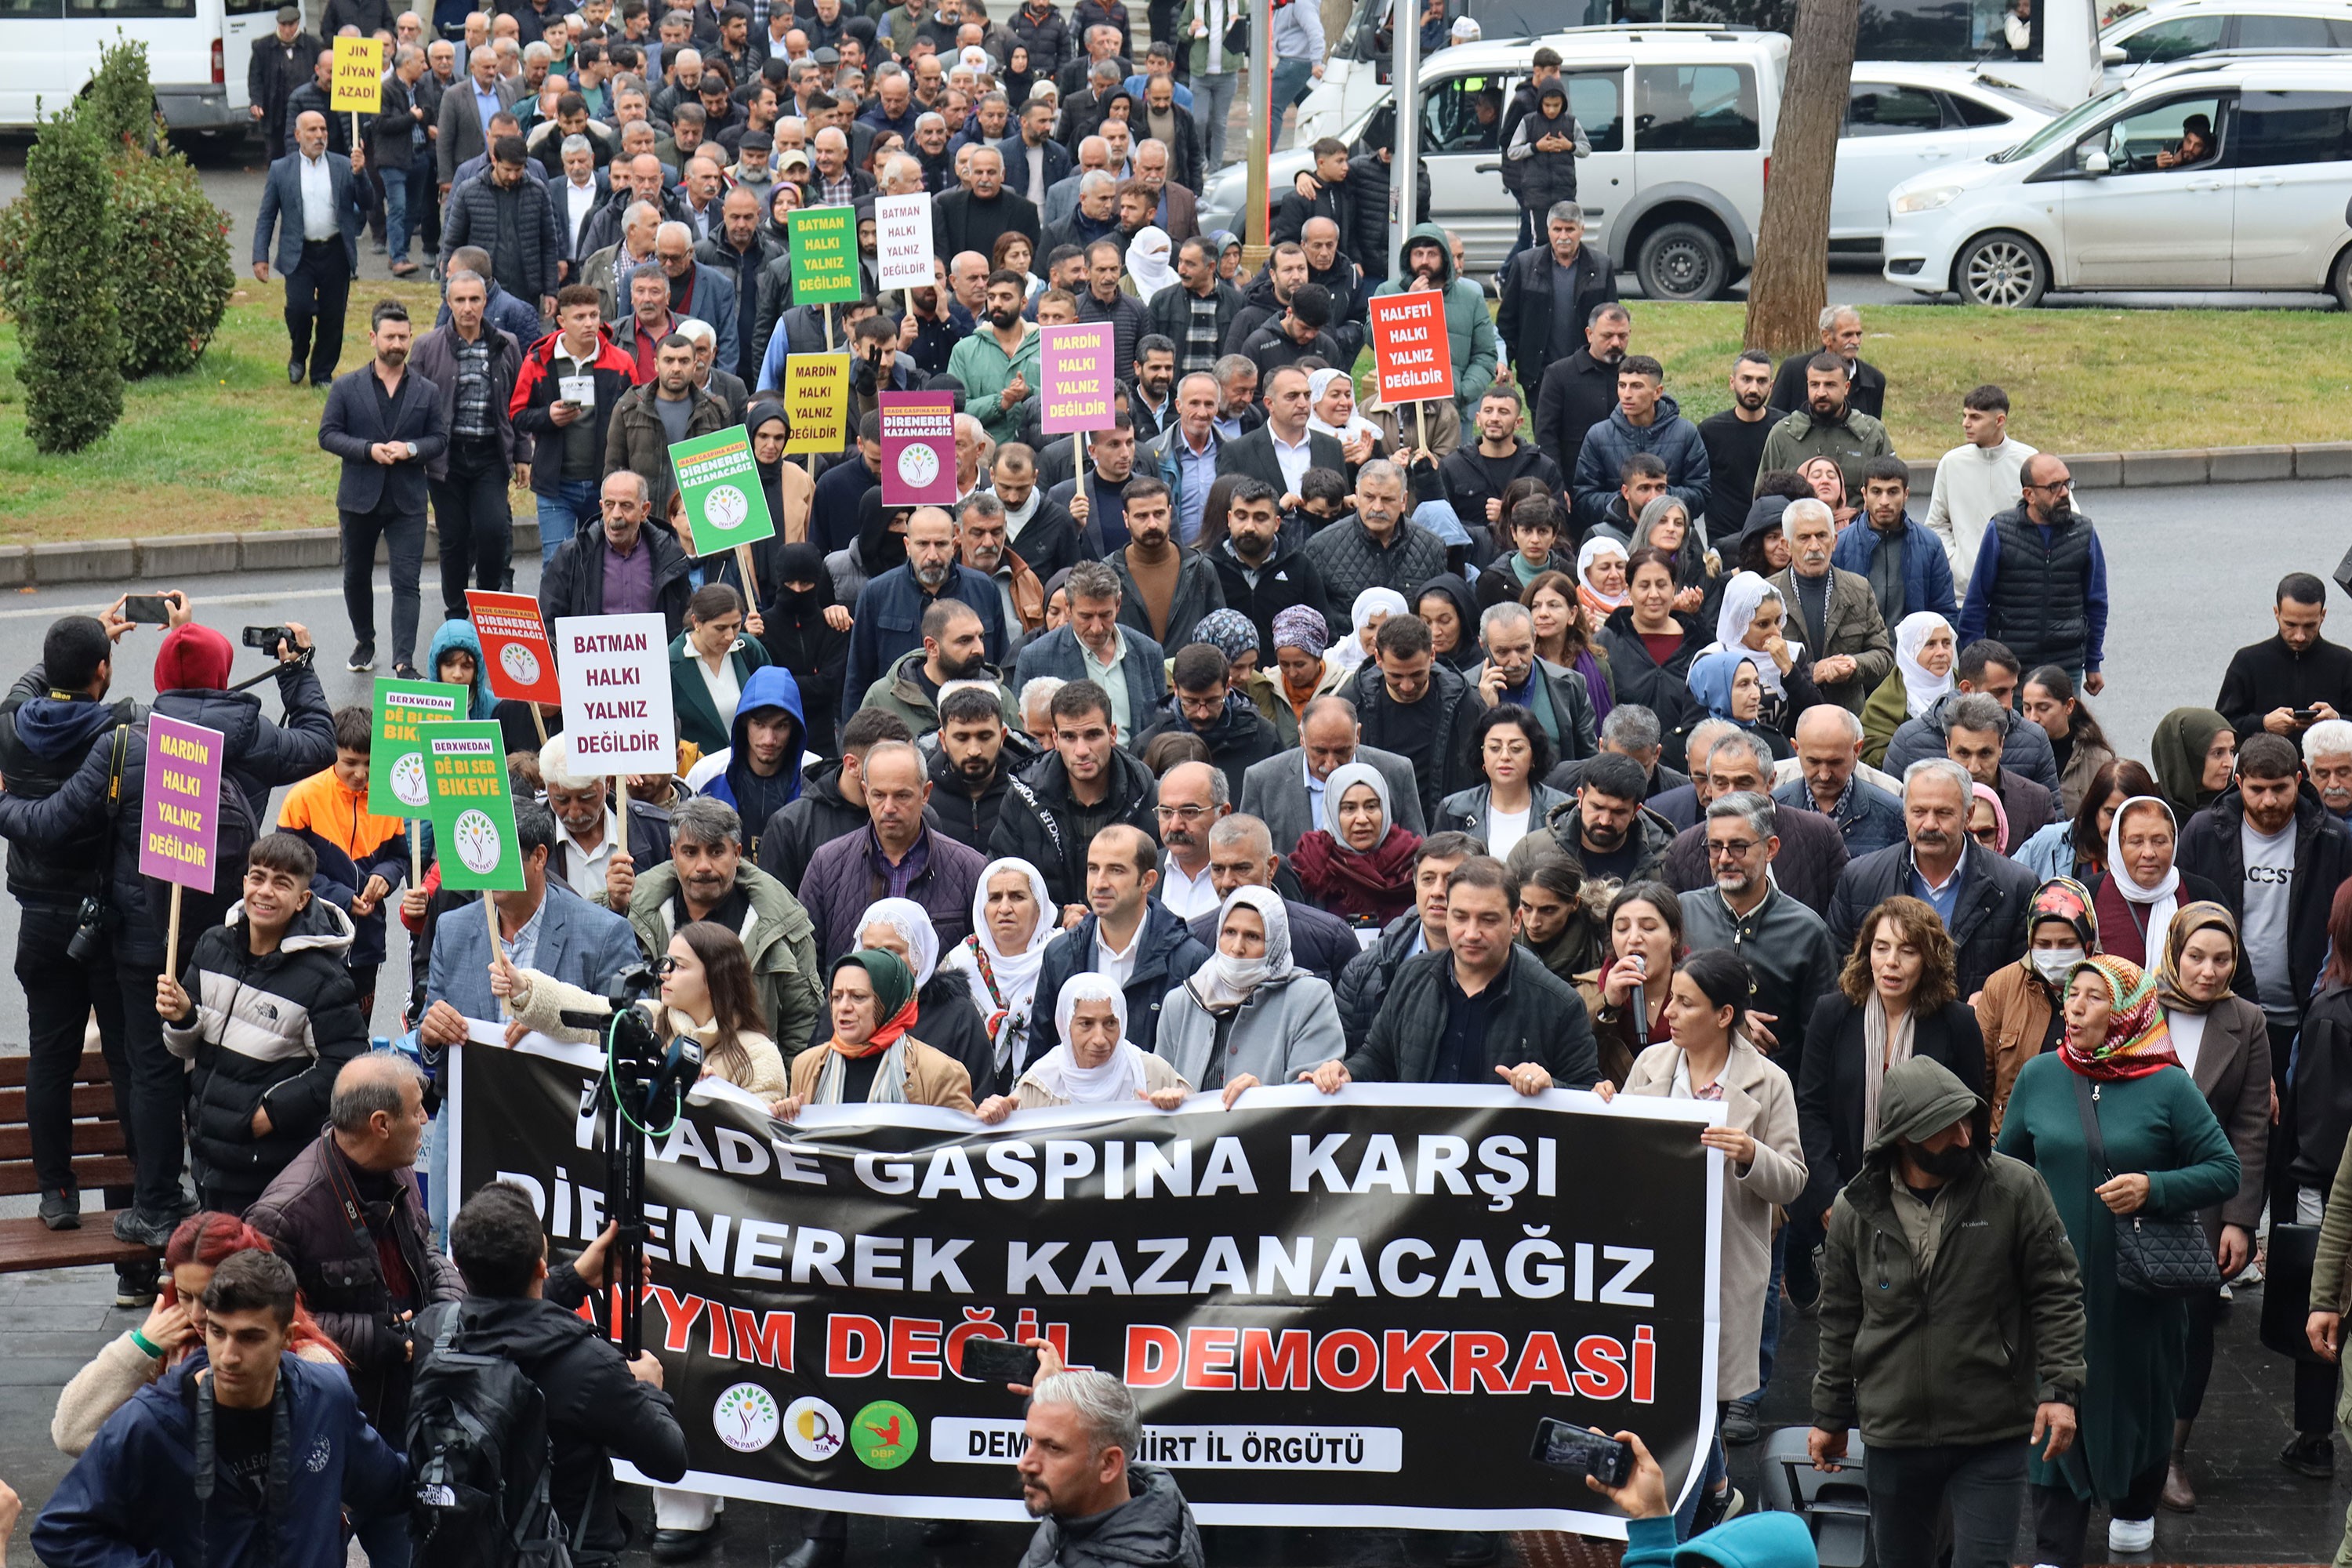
(1360, 1302)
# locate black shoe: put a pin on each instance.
(1739, 1425)
(363, 658)
(1474, 1549)
(135, 1284)
(145, 1227)
(2312, 1455)
(294, 373)
(682, 1545)
(61, 1208)
(1801, 1278)
(818, 1554)
(1715, 1507)
(407, 671)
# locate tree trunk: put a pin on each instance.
(1791, 284)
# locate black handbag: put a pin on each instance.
(2286, 1290)
(2153, 1257)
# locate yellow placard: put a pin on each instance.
(816, 401)
(358, 75)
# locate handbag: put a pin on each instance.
(2286, 1290)
(2153, 1257)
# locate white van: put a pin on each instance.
(197, 51)
(1681, 123)
(2173, 30)
(2117, 194)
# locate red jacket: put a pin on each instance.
(535, 393)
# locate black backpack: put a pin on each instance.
(478, 1456)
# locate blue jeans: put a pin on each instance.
(560, 515)
(395, 214)
(1714, 1470)
(1291, 79)
(1770, 1340)
(1212, 105)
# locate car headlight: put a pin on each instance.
(1925, 201)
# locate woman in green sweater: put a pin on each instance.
(2166, 1157)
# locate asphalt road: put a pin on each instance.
(236, 185)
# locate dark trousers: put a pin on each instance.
(2315, 1398)
(60, 995)
(1984, 1484)
(406, 533)
(2203, 1310)
(155, 1124)
(471, 515)
(2061, 1519)
(2279, 1164)
(316, 293)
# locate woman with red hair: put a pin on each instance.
(175, 1327)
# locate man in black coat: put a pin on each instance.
(1982, 897)
(282, 62)
(1206, 705)
(2270, 683)
(1262, 572)
(1087, 782)
(1580, 391)
(387, 426)
(971, 219)
(1530, 320)
(509, 216)
(575, 578)
(1286, 410)
(1418, 708)
(1840, 337)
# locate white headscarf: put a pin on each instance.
(1058, 1072)
(2160, 900)
(1742, 598)
(1345, 777)
(1146, 261)
(1599, 545)
(1920, 690)
(1226, 982)
(1318, 384)
(912, 922)
(1349, 650)
(1014, 973)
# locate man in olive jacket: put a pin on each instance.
(1951, 1325)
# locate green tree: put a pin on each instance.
(72, 367)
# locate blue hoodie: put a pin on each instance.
(460, 635)
(1757, 1541)
(753, 798)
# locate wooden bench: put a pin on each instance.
(98, 1161)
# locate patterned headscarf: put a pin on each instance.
(2139, 1040)
(1230, 632)
(1302, 627)
(2064, 898)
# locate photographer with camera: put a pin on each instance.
(876, 366)
(192, 672)
(1758, 1541)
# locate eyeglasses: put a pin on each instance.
(1736, 849)
(1189, 814)
(2053, 487)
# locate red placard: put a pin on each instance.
(515, 654)
(1410, 357)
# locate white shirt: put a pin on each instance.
(1295, 461)
(1106, 674)
(1505, 829)
(1118, 965)
(2188, 1030)
(726, 690)
(584, 869)
(579, 203)
(1313, 796)
(1972, 484)
(1186, 896)
(1016, 517)
(319, 218)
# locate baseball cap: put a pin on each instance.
(1464, 30)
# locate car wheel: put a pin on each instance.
(1683, 261)
(2339, 281)
(2002, 268)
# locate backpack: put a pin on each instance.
(478, 1456)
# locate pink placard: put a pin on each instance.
(179, 826)
(918, 458)
(1077, 365)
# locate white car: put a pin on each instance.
(2231, 172)
(1901, 120)
(2173, 30)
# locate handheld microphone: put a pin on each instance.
(1641, 1000)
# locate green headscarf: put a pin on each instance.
(2182, 737)
(894, 986)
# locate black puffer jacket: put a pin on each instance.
(262, 755)
(1152, 1529)
(266, 1033)
(43, 736)
(1364, 984)
(1041, 822)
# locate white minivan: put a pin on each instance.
(2172, 30)
(2227, 172)
(197, 53)
(1680, 120)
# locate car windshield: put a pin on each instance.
(2061, 130)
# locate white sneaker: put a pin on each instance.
(2126, 1536)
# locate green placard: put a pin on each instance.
(720, 485)
(473, 812)
(396, 783)
(825, 256)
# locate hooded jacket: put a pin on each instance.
(457, 635)
(727, 775)
(1043, 824)
(44, 737)
(1166, 955)
(1285, 578)
(1963, 1352)
(1469, 327)
(266, 1033)
(259, 755)
(2024, 747)
(1656, 835)
(131, 1498)
(1152, 1529)
(1669, 437)
(889, 618)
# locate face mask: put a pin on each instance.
(1944, 1164)
(2053, 962)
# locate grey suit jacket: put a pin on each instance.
(462, 134)
(1856, 628)
(1274, 792)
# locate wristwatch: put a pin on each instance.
(411, 446)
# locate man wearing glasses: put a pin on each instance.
(1192, 799)
(2040, 582)
(1787, 946)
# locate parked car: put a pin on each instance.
(2174, 30)
(1900, 120)
(2230, 171)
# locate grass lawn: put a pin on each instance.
(230, 445)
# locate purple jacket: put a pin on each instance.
(841, 882)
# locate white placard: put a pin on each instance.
(902, 241)
(618, 716)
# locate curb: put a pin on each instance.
(295, 549)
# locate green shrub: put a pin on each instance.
(72, 367)
(119, 104)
